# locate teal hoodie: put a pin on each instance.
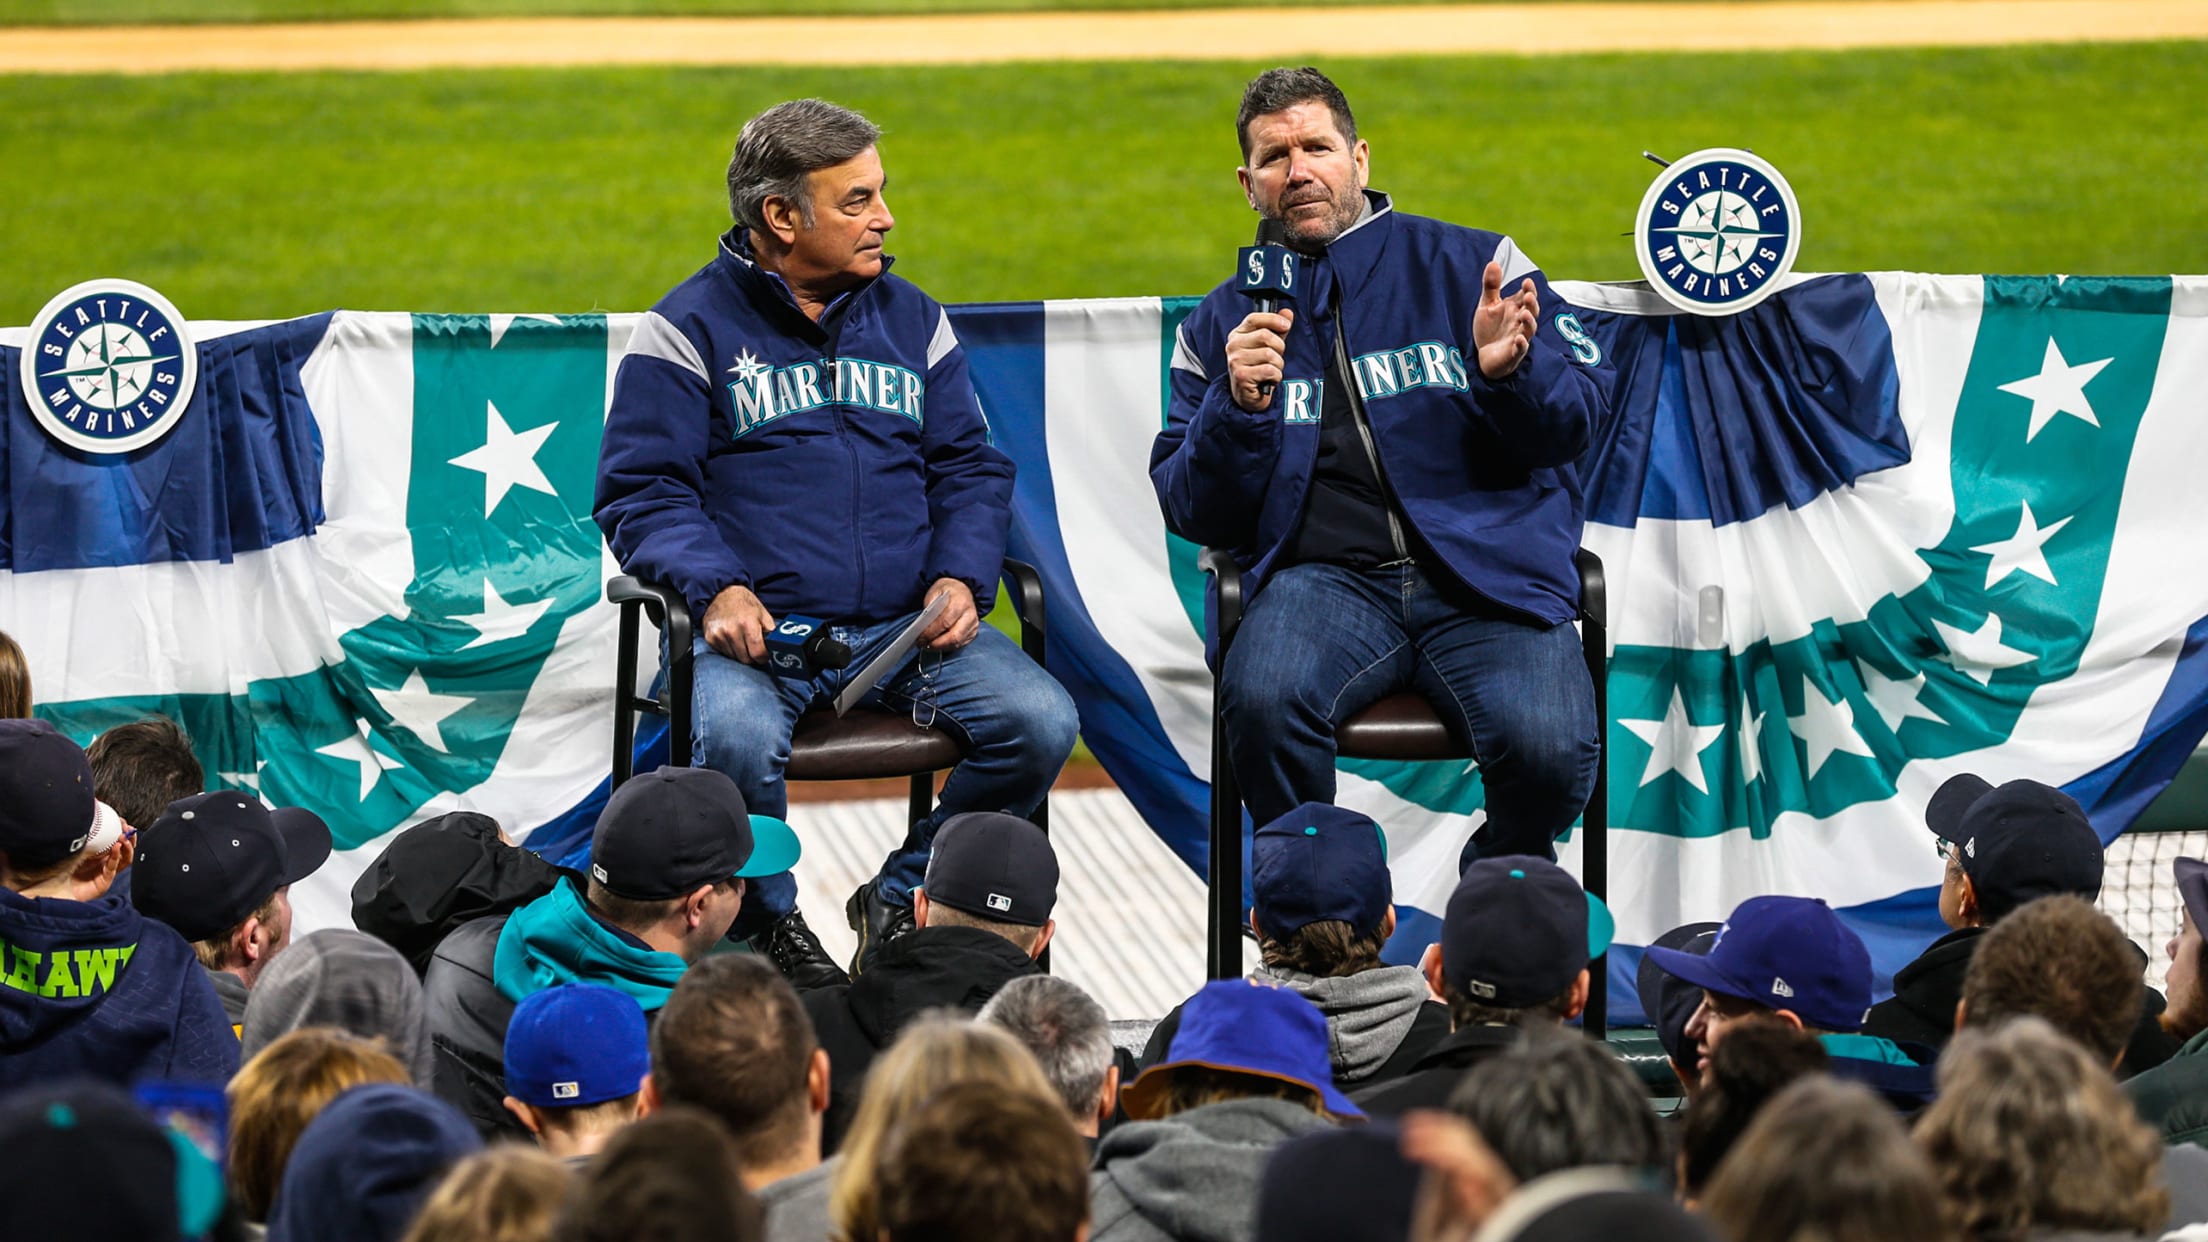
(555, 940)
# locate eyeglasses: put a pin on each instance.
(1947, 850)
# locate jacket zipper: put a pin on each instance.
(1364, 432)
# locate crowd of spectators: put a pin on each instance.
(504, 1051)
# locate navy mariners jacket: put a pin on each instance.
(835, 468)
(1483, 470)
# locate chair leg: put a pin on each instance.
(1595, 821)
(624, 695)
(922, 800)
(1224, 917)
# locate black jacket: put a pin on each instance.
(468, 1016)
(929, 968)
(1434, 1077)
(1926, 991)
(440, 874)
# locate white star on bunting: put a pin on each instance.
(500, 323)
(1897, 701)
(499, 619)
(507, 459)
(1675, 743)
(355, 749)
(2059, 388)
(1826, 728)
(1751, 742)
(416, 709)
(1979, 654)
(2022, 550)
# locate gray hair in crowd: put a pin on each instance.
(1560, 1101)
(1066, 1030)
(778, 147)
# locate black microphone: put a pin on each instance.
(800, 647)
(1269, 274)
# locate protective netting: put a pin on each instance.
(2138, 891)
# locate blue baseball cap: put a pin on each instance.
(1243, 1027)
(1518, 930)
(574, 1045)
(1788, 953)
(1320, 863)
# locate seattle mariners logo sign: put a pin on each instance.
(1716, 231)
(109, 366)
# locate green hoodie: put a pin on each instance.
(555, 940)
(2174, 1094)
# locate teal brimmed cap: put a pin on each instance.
(1518, 930)
(1319, 863)
(664, 833)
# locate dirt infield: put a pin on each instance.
(1249, 33)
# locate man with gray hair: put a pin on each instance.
(793, 434)
(1070, 1036)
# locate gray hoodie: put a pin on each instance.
(1367, 1014)
(346, 979)
(1191, 1177)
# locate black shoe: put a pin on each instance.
(876, 921)
(797, 953)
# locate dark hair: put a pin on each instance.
(1277, 89)
(671, 1177)
(2059, 959)
(978, 1161)
(733, 1041)
(1561, 1101)
(1464, 1011)
(778, 148)
(1329, 948)
(141, 767)
(1750, 1065)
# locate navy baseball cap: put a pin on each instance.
(1320, 863)
(665, 832)
(1670, 1001)
(574, 1045)
(1243, 1027)
(47, 803)
(1788, 953)
(2192, 888)
(2018, 842)
(993, 866)
(1300, 1196)
(214, 858)
(1518, 930)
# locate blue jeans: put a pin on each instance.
(1016, 723)
(1320, 643)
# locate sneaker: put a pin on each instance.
(877, 922)
(797, 953)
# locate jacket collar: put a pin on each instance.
(737, 259)
(1354, 254)
(1468, 1046)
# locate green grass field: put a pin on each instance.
(272, 195)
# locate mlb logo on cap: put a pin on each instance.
(574, 1045)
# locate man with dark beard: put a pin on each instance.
(1391, 461)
